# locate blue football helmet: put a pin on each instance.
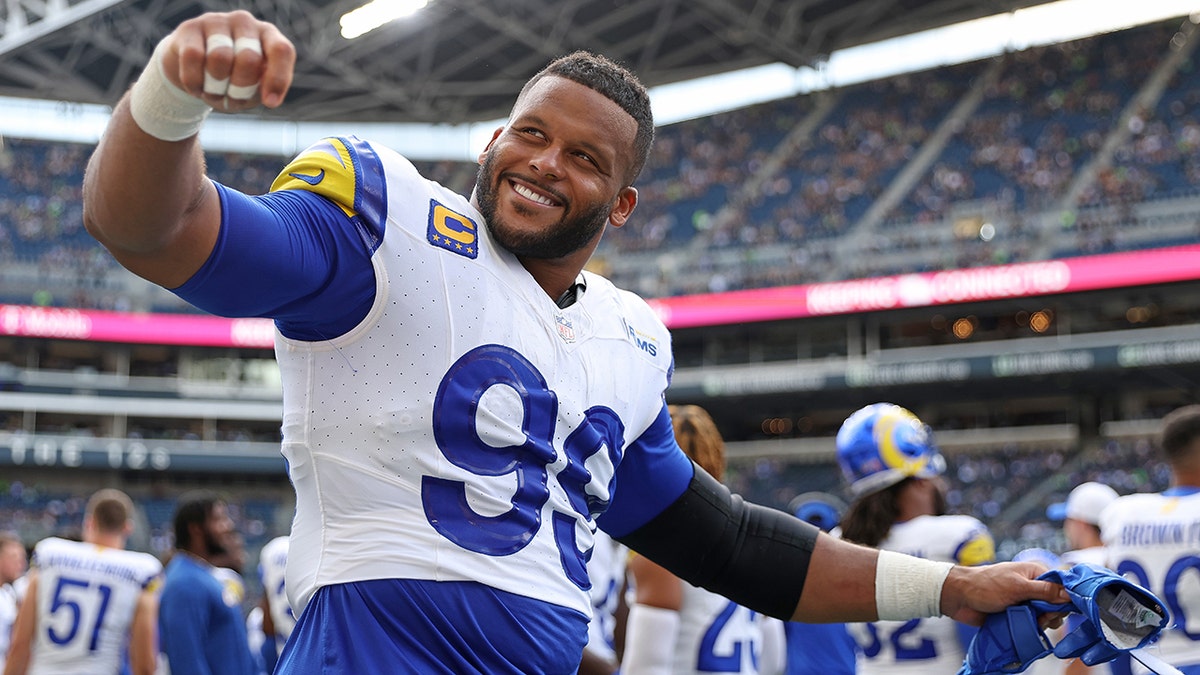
(881, 445)
(819, 508)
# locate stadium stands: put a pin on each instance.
(1082, 148)
(904, 170)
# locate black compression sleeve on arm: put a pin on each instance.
(756, 556)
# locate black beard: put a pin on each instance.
(214, 545)
(567, 237)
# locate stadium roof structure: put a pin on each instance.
(457, 61)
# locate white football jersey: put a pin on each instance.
(86, 596)
(1154, 539)
(1094, 555)
(606, 569)
(717, 635)
(8, 616)
(473, 447)
(272, 563)
(931, 645)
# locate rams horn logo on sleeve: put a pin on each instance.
(452, 231)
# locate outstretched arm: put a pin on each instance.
(849, 582)
(779, 565)
(146, 197)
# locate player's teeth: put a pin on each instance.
(530, 194)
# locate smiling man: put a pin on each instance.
(463, 405)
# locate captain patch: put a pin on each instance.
(452, 231)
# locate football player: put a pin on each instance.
(91, 604)
(893, 467)
(675, 628)
(1154, 539)
(463, 405)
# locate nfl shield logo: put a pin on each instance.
(565, 330)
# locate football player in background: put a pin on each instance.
(278, 619)
(201, 626)
(1080, 517)
(675, 628)
(606, 571)
(894, 470)
(90, 605)
(819, 648)
(1154, 539)
(14, 561)
(463, 405)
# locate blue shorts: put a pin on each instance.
(397, 626)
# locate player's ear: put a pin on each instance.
(495, 135)
(626, 202)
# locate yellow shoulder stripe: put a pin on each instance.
(325, 168)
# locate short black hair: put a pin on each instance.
(618, 84)
(1180, 431)
(194, 508)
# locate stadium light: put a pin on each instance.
(376, 13)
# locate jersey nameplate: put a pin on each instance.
(452, 231)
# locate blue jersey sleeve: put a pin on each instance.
(292, 255)
(653, 473)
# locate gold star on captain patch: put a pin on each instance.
(452, 231)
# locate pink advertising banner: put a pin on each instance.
(1136, 268)
(1115, 270)
(159, 329)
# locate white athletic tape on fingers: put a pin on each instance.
(907, 587)
(217, 41)
(162, 109)
(244, 43)
(214, 86)
(239, 93)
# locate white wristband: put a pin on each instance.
(650, 636)
(907, 587)
(162, 109)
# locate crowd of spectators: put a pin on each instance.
(727, 188)
(986, 485)
(1007, 488)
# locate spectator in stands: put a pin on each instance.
(200, 621)
(672, 623)
(360, 261)
(90, 605)
(894, 470)
(819, 648)
(1150, 538)
(13, 563)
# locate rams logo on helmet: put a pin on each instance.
(882, 444)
